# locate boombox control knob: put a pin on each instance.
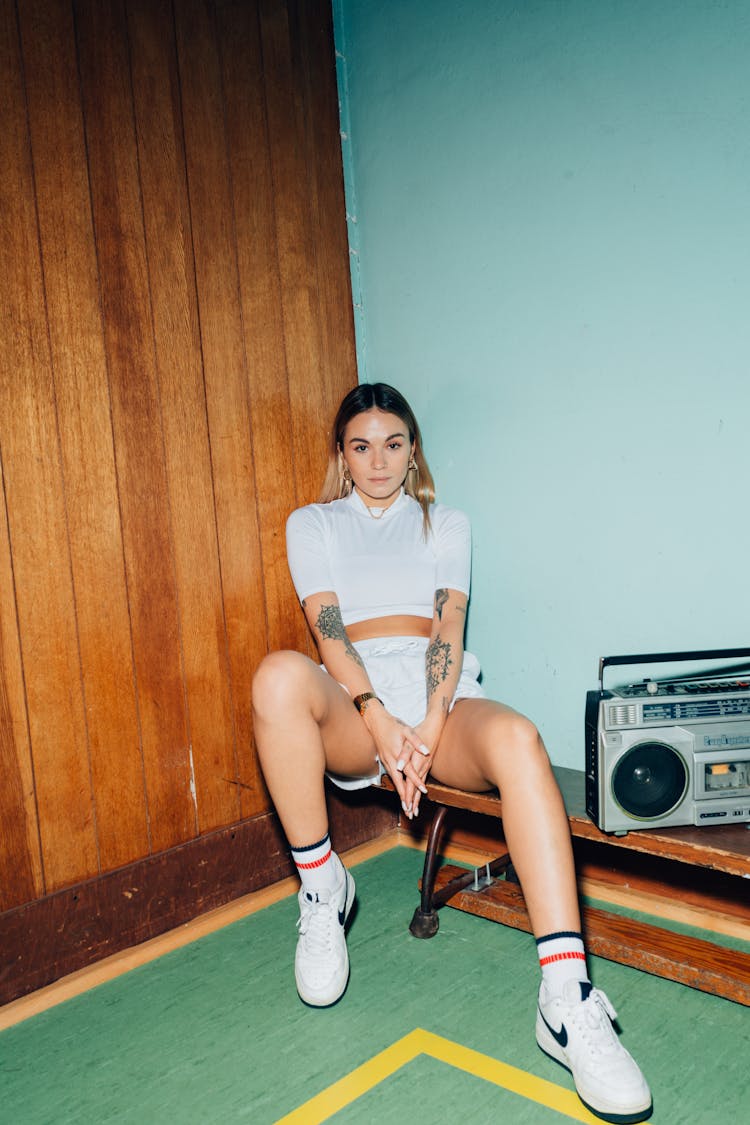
(652, 688)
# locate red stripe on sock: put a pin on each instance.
(315, 862)
(571, 956)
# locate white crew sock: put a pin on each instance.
(318, 865)
(562, 957)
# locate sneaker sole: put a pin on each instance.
(554, 1051)
(326, 1003)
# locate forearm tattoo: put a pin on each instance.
(330, 626)
(438, 660)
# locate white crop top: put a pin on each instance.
(378, 567)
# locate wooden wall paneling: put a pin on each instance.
(20, 853)
(225, 371)
(36, 505)
(136, 413)
(315, 69)
(260, 293)
(311, 399)
(82, 394)
(183, 401)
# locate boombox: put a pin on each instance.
(669, 751)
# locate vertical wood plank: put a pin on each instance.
(20, 855)
(35, 505)
(82, 394)
(225, 369)
(179, 361)
(262, 322)
(310, 396)
(139, 450)
(314, 62)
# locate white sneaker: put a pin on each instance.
(576, 1030)
(321, 964)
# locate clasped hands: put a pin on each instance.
(405, 757)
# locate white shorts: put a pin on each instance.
(396, 669)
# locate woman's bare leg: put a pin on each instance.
(304, 724)
(486, 744)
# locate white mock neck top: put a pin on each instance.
(378, 567)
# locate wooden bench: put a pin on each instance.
(691, 857)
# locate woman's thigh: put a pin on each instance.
(349, 746)
(289, 692)
(481, 739)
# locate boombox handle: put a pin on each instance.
(657, 657)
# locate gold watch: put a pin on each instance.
(361, 701)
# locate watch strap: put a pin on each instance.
(361, 701)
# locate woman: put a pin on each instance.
(383, 576)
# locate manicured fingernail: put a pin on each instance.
(399, 764)
(423, 750)
(423, 789)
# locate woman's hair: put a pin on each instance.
(377, 396)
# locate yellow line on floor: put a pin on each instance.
(419, 1042)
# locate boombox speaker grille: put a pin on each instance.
(649, 780)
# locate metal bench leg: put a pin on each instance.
(425, 922)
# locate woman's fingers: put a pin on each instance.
(415, 777)
(415, 786)
(407, 778)
(399, 782)
(412, 741)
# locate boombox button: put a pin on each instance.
(709, 815)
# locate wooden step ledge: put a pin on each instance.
(692, 961)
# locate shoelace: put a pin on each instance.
(594, 1010)
(314, 924)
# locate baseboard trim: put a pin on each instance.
(65, 932)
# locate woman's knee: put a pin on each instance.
(516, 739)
(279, 680)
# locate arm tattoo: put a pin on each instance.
(441, 597)
(438, 660)
(331, 628)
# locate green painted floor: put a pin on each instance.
(214, 1032)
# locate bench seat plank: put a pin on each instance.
(720, 849)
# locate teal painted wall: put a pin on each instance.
(549, 206)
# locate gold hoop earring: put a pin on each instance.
(412, 463)
(346, 474)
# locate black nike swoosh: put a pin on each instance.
(560, 1036)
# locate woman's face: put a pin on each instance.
(376, 450)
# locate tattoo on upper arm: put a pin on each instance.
(438, 660)
(331, 628)
(441, 597)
